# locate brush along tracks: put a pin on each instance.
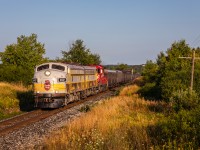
(13, 124)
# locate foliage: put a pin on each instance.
(175, 72)
(21, 58)
(184, 99)
(78, 53)
(149, 72)
(12, 73)
(14, 98)
(170, 73)
(124, 116)
(169, 79)
(150, 89)
(122, 66)
(196, 85)
(178, 131)
(27, 52)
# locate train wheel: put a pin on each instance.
(78, 96)
(71, 98)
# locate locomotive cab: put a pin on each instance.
(101, 79)
(50, 85)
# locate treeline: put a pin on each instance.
(169, 79)
(19, 59)
(125, 67)
(171, 74)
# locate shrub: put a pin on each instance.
(150, 91)
(14, 98)
(178, 131)
(116, 123)
(184, 99)
(16, 74)
(129, 90)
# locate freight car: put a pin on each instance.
(57, 84)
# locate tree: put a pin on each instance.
(78, 53)
(150, 71)
(174, 72)
(170, 73)
(150, 75)
(26, 53)
(21, 58)
(122, 66)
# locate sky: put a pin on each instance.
(120, 31)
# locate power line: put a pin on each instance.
(196, 40)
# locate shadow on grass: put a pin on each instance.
(26, 100)
(161, 107)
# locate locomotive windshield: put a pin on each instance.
(58, 67)
(43, 67)
(99, 70)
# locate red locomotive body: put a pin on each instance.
(101, 79)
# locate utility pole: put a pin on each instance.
(192, 71)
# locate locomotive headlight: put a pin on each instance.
(47, 73)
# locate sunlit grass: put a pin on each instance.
(129, 90)
(9, 101)
(116, 123)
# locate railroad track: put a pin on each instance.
(23, 120)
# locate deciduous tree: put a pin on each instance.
(21, 58)
(170, 73)
(78, 53)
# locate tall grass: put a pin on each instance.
(9, 99)
(118, 123)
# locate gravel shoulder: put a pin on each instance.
(31, 136)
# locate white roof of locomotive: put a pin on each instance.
(71, 66)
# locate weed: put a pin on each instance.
(116, 123)
(85, 108)
(12, 98)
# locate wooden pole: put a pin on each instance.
(192, 73)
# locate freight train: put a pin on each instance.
(57, 84)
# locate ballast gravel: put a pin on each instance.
(30, 137)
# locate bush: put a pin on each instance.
(184, 99)
(26, 100)
(14, 98)
(179, 130)
(16, 74)
(150, 91)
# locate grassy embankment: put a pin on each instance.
(117, 123)
(14, 99)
